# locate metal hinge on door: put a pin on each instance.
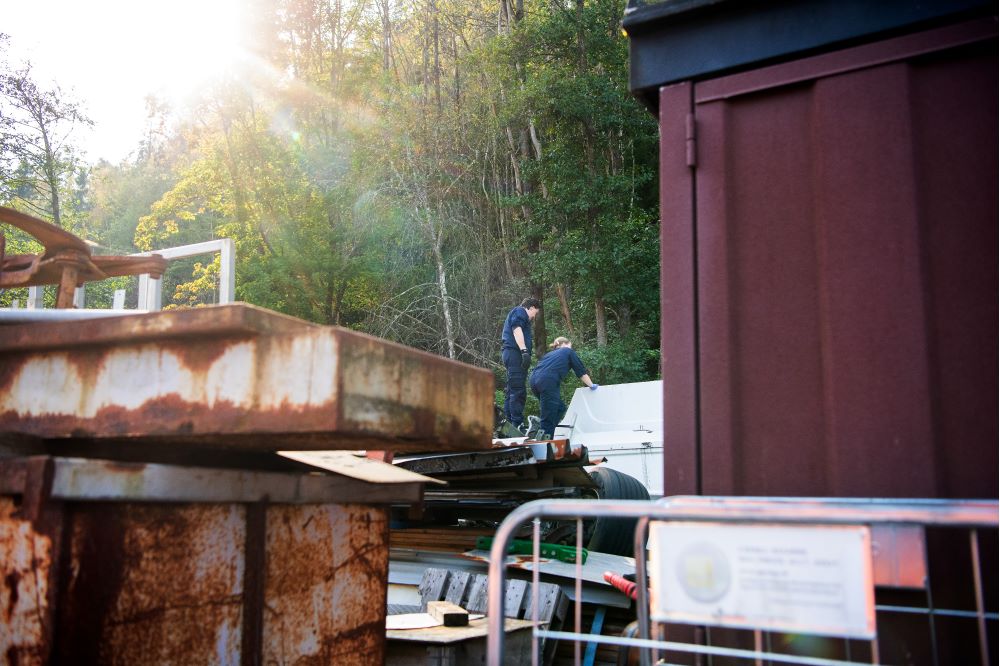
(690, 141)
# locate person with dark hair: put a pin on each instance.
(515, 352)
(546, 379)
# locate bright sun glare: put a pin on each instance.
(197, 41)
(114, 53)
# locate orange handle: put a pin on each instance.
(624, 586)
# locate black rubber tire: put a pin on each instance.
(615, 536)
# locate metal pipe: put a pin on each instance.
(536, 533)
(642, 584)
(699, 649)
(578, 590)
(29, 315)
(984, 645)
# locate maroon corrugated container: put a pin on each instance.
(828, 193)
(829, 258)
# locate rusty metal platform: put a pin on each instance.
(236, 376)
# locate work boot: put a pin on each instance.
(533, 423)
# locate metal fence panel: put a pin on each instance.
(931, 578)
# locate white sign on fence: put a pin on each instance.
(803, 579)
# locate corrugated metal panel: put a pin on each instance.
(836, 273)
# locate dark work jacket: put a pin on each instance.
(516, 317)
(555, 365)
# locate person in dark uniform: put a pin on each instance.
(515, 352)
(546, 379)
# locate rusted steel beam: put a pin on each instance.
(237, 376)
(86, 480)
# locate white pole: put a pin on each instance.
(227, 271)
(36, 298)
(143, 291)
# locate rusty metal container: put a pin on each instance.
(239, 377)
(144, 515)
(128, 563)
(828, 178)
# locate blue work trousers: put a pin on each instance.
(516, 393)
(550, 403)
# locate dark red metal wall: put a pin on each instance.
(829, 273)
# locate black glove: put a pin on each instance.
(525, 359)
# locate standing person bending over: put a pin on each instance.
(545, 381)
(515, 352)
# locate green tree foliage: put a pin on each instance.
(413, 169)
(39, 160)
(41, 172)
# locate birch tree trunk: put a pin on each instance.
(442, 281)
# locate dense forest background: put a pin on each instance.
(412, 169)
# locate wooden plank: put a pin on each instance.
(432, 585)
(514, 598)
(400, 609)
(455, 540)
(448, 614)
(457, 585)
(476, 629)
(478, 594)
(548, 602)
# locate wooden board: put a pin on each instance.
(448, 614)
(475, 629)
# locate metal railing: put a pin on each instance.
(876, 514)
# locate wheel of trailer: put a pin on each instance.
(615, 536)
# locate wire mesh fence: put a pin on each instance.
(726, 580)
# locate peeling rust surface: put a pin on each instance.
(25, 566)
(152, 584)
(326, 582)
(232, 385)
(145, 583)
(237, 320)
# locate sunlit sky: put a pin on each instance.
(113, 53)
